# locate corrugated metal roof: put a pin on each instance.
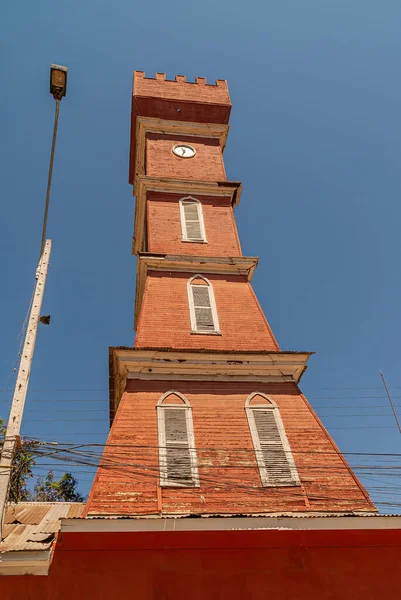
(75, 511)
(33, 525)
(26, 514)
(58, 511)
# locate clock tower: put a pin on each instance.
(206, 412)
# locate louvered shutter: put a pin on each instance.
(202, 308)
(177, 454)
(192, 221)
(273, 459)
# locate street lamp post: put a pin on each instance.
(58, 88)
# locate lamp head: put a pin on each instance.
(58, 81)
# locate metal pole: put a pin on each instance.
(49, 178)
(21, 385)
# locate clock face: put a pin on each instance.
(184, 150)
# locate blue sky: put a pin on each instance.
(315, 138)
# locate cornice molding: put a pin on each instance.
(178, 263)
(173, 365)
(330, 522)
(222, 189)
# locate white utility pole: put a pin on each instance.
(21, 385)
(58, 88)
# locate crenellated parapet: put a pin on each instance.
(160, 104)
(180, 89)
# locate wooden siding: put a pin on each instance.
(228, 472)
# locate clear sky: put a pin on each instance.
(315, 138)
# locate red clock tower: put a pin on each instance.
(207, 417)
(218, 479)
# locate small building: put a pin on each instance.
(29, 535)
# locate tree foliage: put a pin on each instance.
(45, 489)
(48, 489)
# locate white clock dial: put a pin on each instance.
(184, 150)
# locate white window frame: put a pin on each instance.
(184, 232)
(191, 304)
(161, 408)
(249, 409)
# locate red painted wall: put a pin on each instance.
(164, 226)
(229, 477)
(287, 565)
(164, 320)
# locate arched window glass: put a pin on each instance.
(273, 453)
(177, 454)
(192, 224)
(202, 306)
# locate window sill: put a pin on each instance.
(195, 241)
(166, 484)
(279, 485)
(206, 333)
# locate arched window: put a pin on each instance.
(202, 307)
(192, 225)
(177, 454)
(273, 453)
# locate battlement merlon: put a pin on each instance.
(180, 89)
(178, 100)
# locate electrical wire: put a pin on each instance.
(107, 390)
(133, 473)
(148, 476)
(21, 337)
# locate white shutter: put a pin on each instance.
(192, 225)
(273, 452)
(192, 221)
(177, 458)
(203, 308)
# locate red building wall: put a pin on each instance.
(165, 321)
(229, 476)
(164, 226)
(287, 565)
(207, 164)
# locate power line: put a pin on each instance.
(216, 448)
(391, 402)
(28, 420)
(133, 472)
(135, 475)
(58, 390)
(361, 427)
(21, 337)
(107, 390)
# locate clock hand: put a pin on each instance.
(183, 151)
